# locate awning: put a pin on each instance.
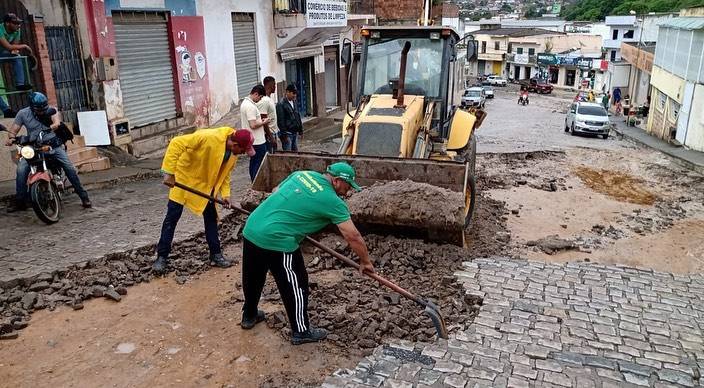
(300, 52)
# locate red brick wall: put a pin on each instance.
(43, 64)
(387, 10)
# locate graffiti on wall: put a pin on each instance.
(191, 63)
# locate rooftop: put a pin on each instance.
(684, 23)
(645, 46)
(517, 32)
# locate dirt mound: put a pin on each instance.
(408, 203)
(618, 185)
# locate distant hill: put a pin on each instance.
(596, 10)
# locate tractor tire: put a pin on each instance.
(469, 154)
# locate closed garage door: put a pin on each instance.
(144, 64)
(246, 63)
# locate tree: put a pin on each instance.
(531, 12)
(506, 8)
(595, 10)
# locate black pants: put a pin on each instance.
(173, 214)
(291, 277)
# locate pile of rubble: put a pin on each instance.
(107, 277)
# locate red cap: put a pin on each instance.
(245, 139)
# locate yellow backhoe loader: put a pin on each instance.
(406, 125)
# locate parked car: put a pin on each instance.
(587, 117)
(473, 97)
(538, 86)
(496, 80)
(488, 91)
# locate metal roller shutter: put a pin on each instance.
(145, 67)
(246, 57)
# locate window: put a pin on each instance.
(662, 98)
(497, 46)
(570, 77)
(531, 51)
(592, 111)
(519, 50)
(510, 48)
(628, 34)
(483, 46)
(614, 34)
(613, 55)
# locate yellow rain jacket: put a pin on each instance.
(196, 161)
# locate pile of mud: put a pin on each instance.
(411, 208)
(408, 203)
(618, 185)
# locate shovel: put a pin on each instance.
(429, 308)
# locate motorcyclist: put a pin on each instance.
(523, 94)
(37, 117)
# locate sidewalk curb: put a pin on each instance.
(676, 158)
(143, 174)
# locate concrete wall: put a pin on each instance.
(668, 83)
(217, 17)
(695, 129)
(398, 10)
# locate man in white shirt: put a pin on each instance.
(267, 109)
(252, 120)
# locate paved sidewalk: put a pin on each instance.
(142, 169)
(691, 159)
(553, 325)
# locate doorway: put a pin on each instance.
(300, 73)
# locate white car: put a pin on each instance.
(588, 117)
(488, 91)
(473, 97)
(495, 80)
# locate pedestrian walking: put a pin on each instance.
(304, 203)
(203, 161)
(290, 126)
(617, 95)
(252, 120)
(605, 100)
(267, 110)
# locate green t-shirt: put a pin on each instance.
(304, 203)
(10, 37)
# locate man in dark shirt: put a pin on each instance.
(289, 120)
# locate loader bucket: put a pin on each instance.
(432, 218)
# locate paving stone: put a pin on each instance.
(447, 367)
(582, 333)
(434, 351)
(455, 381)
(609, 374)
(611, 339)
(555, 345)
(519, 359)
(504, 346)
(548, 365)
(517, 382)
(393, 383)
(636, 379)
(535, 351)
(428, 377)
(524, 371)
(464, 359)
(599, 362)
(585, 382)
(487, 352)
(617, 356)
(408, 372)
(682, 368)
(511, 328)
(480, 374)
(640, 345)
(675, 377)
(629, 326)
(488, 332)
(603, 329)
(662, 357)
(649, 362)
(568, 357)
(600, 345)
(629, 367)
(560, 379)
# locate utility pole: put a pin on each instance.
(426, 13)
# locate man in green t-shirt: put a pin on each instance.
(304, 203)
(10, 47)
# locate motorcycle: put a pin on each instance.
(47, 180)
(523, 99)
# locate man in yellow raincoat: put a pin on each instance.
(203, 161)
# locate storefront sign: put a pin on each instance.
(521, 59)
(584, 63)
(547, 59)
(326, 13)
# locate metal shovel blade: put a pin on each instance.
(432, 311)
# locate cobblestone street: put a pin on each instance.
(551, 325)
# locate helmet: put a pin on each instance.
(38, 102)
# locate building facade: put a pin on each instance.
(677, 82)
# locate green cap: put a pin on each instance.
(345, 172)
